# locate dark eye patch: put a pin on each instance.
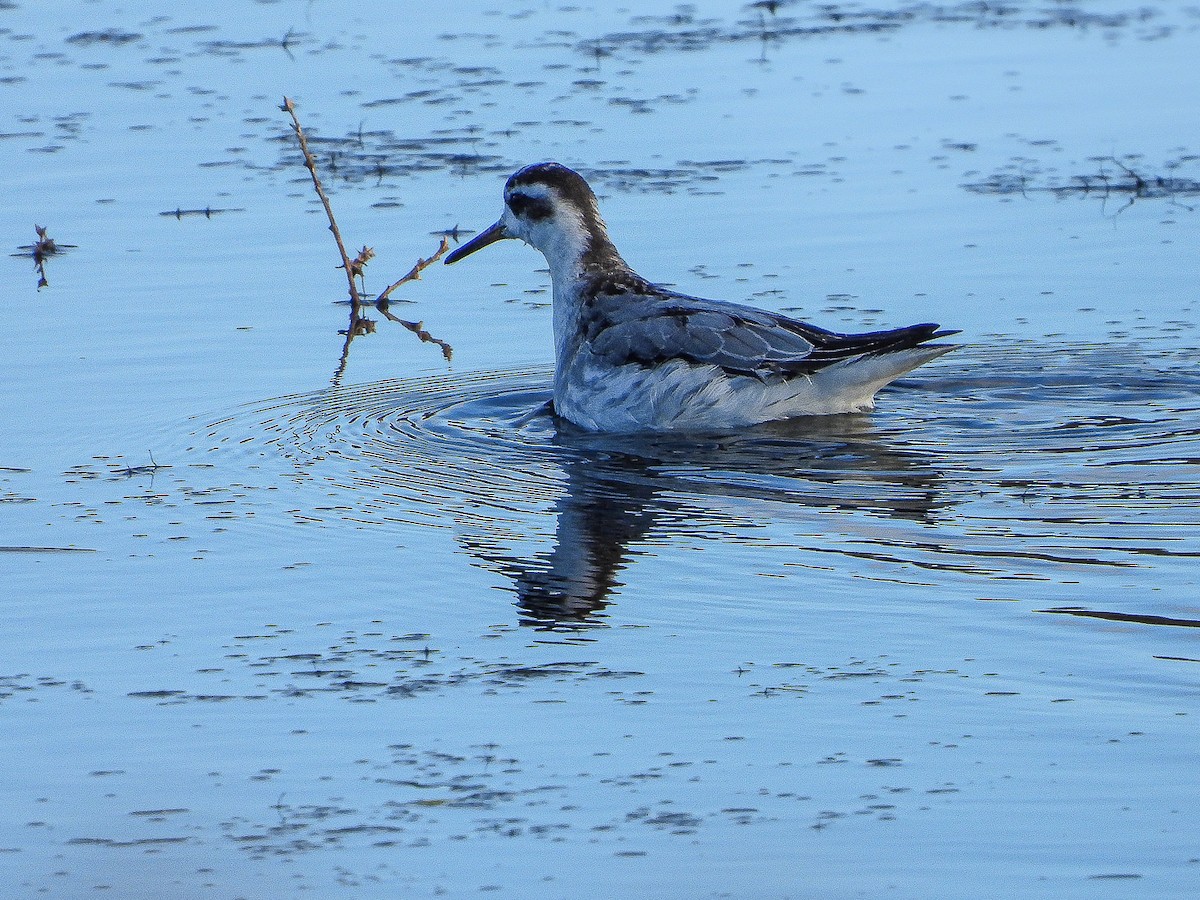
(532, 208)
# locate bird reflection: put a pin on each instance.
(618, 492)
(605, 511)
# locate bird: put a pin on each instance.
(632, 356)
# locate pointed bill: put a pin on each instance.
(496, 233)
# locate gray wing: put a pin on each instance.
(732, 340)
(651, 328)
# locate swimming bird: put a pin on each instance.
(631, 356)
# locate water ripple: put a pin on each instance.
(1003, 462)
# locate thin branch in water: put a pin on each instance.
(359, 263)
(131, 471)
(414, 274)
(1105, 183)
(40, 251)
(311, 164)
(44, 247)
(354, 267)
(208, 212)
(1139, 183)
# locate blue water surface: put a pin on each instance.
(291, 617)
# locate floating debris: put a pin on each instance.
(208, 212)
(112, 37)
(48, 550)
(683, 32)
(40, 251)
(1125, 181)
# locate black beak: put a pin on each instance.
(496, 233)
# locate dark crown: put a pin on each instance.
(567, 183)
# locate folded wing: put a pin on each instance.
(651, 329)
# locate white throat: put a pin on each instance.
(564, 241)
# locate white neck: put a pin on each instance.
(566, 244)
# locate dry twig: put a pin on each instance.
(414, 274)
(311, 164)
(354, 267)
(40, 251)
(44, 247)
(417, 328)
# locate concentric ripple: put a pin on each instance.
(410, 448)
(1000, 462)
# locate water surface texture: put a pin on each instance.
(288, 617)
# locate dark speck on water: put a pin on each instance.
(112, 37)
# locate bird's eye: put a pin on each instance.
(532, 208)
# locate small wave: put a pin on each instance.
(1003, 462)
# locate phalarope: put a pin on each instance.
(631, 356)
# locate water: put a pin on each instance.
(284, 620)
